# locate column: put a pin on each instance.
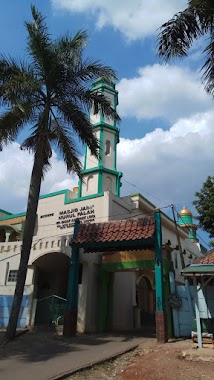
(161, 320)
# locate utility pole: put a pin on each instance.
(186, 281)
(178, 239)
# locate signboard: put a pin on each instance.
(66, 218)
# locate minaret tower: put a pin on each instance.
(100, 174)
(186, 222)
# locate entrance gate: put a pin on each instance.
(125, 243)
(51, 279)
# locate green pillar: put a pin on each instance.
(166, 267)
(161, 325)
(70, 317)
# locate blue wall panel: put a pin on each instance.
(206, 307)
(5, 307)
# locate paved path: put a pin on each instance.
(43, 356)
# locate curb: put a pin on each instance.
(64, 375)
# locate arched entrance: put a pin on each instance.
(145, 297)
(2, 235)
(51, 278)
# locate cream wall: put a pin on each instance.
(109, 182)
(50, 235)
(110, 97)
(92, 161)
(118, 208)
(49, 238)
(90, 184)
(108, 160)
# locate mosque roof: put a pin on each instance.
(134, 230)
(204, 265)
(208, 258)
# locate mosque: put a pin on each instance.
(120, 281)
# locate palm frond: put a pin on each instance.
(17, 82)
(11, 123)
(76, 43)
(62, 136)
(77, 120)
(204, 11)
(68, 57)
(177, 35)
(39, 140)
(96, 98)
(208, 67)
(39, 44)
(90, 70)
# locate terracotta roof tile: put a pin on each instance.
(208, 258)
(118, 230)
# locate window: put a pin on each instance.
(12, 276)
(107, 148)
(90, 184)
(96, 108)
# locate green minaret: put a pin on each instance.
(185, 221)
(101, 174)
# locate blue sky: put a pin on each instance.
(167, 118)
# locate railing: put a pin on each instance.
(43, 244)
(50, 310)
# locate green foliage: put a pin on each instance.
(52, 93)
(211, 243)
(178, 34)
(204, 205)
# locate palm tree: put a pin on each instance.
(52, 94)
(178, 34)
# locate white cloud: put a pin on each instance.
(15, 171)
(167, 91)
(170, 165)
(135, 19)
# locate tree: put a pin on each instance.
(51, 93)
(178, 34)
(204, 205)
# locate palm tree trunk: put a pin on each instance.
(33, 198)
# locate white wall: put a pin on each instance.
(110, 97)
(92, 161)
(90, 184)
(108, 160)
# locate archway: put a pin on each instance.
(145, 298)
(50, 290)
(2, 235)
(14, 236)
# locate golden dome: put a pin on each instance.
(75, 189)
(185, 212)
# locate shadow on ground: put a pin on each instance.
(41, 346)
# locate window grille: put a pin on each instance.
(12, 277)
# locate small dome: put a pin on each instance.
(75, 189)
(185, 212)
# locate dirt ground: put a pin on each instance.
(159, 362)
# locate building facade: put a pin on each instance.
(131, 293)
